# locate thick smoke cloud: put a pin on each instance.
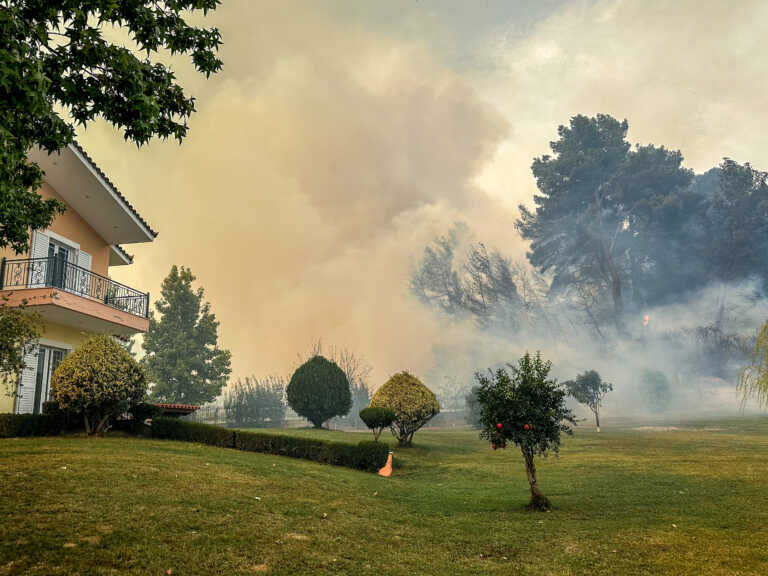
(333, 148)
(319, 164)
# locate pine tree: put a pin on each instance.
(182, 357)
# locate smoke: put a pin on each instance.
(338, 141)
(676, 360)
(320, 161)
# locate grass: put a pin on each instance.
(687, 501)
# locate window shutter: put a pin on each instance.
(83, 277)
(38, 269)
(25, 400)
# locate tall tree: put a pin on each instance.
(181, 349)
(594, 193)
(54, 57)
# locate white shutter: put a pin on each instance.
(83, 280)
(84, 260)
(25, 401)
(38, 269)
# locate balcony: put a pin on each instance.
(58, 286)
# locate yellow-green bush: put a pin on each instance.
(99, 380)
(412, 402)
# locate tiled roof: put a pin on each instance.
(123, 252)
(122, 198)
(187, 407)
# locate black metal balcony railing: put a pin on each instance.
(58, 273)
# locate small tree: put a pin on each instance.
(319, 390)
(19, 329)
(524, 406)
(255, 403)
(355, 368)
(100, 380)
(377, 418)
(413, 404)
(753, 382)
(182, 357)
(590, 390)
(657, 390)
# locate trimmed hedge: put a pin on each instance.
(17, 425)
(176, 429)
(365, 455)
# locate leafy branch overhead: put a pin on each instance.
(54, 57)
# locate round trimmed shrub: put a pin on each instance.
(99, 380)
(413, 404)
(377, 418)
(319, 390)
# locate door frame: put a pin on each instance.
(47, 343)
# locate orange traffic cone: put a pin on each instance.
(387, 470)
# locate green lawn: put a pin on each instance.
(688, 501)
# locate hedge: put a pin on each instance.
(175, 429)
(16, 425)
(365, 455)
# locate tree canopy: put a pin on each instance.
(597, 195)
(589, 389)
(182, 356)
(319, 390)
(99, 380)
(58, 70)
(412, 402)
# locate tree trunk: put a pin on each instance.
(597, 420)
(607, 265)
(538, 500)
(87, 424)
(100, 425)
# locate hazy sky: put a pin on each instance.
(341, 136)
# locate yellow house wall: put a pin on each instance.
(73, 227)
(53, 334)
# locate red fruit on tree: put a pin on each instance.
(503, 445)
(493, 446)
(499, 426)
(527, 427)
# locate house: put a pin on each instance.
(65, 275)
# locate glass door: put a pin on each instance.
(58, 255)
(48, 359)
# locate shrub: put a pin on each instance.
(377, 418)
(365, 455)
(69, 420)
(141, 412)
(413, 404)
(177, 429)
(656, 390)
(524, 406)
(255, 403)
(100, 380)
(18, 425)
(319, 390)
